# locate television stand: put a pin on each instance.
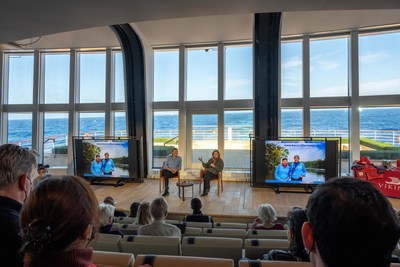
(308, 189)
(117, 183)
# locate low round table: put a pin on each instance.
(182, 185)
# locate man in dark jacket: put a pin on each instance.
(17, 170)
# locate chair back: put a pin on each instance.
(112, 259)
(106, 242)
(230, 225)
(215, 247)
(144, 244)
(267, 234)
(181, 261)
(256, 248)
(225, 232)
(257, 263)
(193, 231)
(199, 224)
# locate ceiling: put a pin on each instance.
(76, 23)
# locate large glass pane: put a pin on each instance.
(291, 70)
(238, 126)
(204, 136)
(20, 129)
(120, 124)
(329, 67)
(56, 78)
(332, 123)
(379, 57)
(119, 84)
(165, 135)
(92, 77)
(202, 74)
(291, 122)
(20, 78)
(55, 141)
(238, 72)
(380, 133)
(166, 75)
(92, 124)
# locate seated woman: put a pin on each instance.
(58, 221)
(143, 215)
(106, 218)
(266, 218)
(212, 168)
(296, 251)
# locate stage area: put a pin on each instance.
(239, 199)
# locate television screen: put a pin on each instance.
(107, 158)
(295, 161)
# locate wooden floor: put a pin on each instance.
(237, 199)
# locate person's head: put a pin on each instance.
(296, 220)
(98, 158)
(159, 209)
(144, 216)
(215, 154)
(284, 161)
(174, 152)
(350, 223)
(196, 205)
(17, 170)
(106, 155)
(289, 213)
(109, 200)
(42, 171)
(296, 158)
(266, 213)
(59, 215)
(134, 209)
(106, 214)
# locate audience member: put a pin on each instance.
(144, 216)
(58, 221)
(289, 213)
(106, 218)
(42, 174)
(296, 251)
(197, 215)
(17, 170)
(172, 165)
(117, 213)
(159, 211)
(350, 223)
(266, 218)
(134, 209)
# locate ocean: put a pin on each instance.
(380, 122)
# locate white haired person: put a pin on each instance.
(106, 218)
(266, 219)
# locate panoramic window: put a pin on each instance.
(20, 129)
(56, 78)
(238, 72)
(92, 77)
(202, 74)
(20, 78)
(379, 135)
(166, 75)
(379, 67)
(165, 135)
(119, 84)
(91, 124)
(291, 122)
(55, 139)
(120, 124)
(238, 126)
(291, 70)
(329, 67)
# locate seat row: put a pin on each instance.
(218, 247)
(110, 259)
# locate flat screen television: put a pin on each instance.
(317, 161)
(106, 158)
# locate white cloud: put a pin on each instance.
(331, 91)
(293, 62)
(372, 57)
(323, 63)
(378, 88)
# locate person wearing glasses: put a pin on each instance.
(17, 171)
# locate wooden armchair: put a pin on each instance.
(219, 180)
(162, 184)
